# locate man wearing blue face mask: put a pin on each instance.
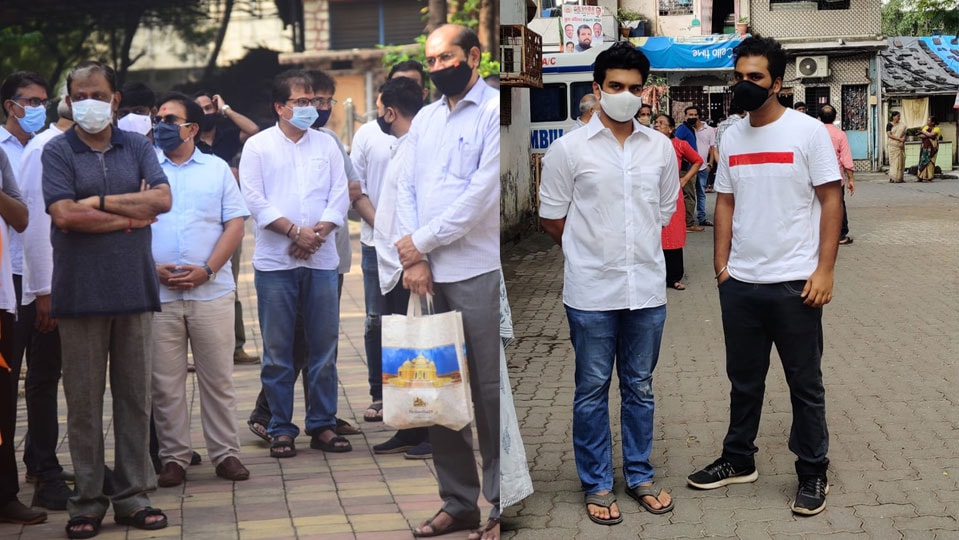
(295, 187)
(608, 190)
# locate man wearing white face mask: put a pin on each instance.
(615, 275)
(137, 108)
(295, 187)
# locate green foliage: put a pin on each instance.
(920, 17)
(624, 16)
(467, 14)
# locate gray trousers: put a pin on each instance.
(127, 342)
(478, 300)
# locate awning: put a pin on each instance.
(697, 53)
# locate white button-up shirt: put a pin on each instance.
(449, 190)
(37, 249)
(303, 181)
(386, 229)
(11, 145)
(205, 196)
(370, 154)
(616, 200)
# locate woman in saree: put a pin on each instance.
(895, 143)
(930, 135)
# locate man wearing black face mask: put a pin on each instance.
(448, 210)
(778, 216)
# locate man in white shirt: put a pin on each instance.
(778, 214)
(448, 209)
(43, 358)
(295, 187)
(373, 149)
(587, 106)
(608, 190)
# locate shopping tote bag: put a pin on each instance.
(425, 378)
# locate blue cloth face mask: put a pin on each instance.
(167, 136)
(33, 118)
(303, 117)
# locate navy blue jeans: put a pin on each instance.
(755, 317)
(701, 178)
(631, 338)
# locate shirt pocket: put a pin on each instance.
(646, 184)
(319, 177)
(464, 159)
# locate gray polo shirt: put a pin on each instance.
(107, 273)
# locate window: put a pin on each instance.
(365, 23)
(675, 7)
(576, 92)
(816, 96)
(548, 104)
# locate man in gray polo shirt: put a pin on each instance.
(103, 187)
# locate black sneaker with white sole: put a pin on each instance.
(811, 495)
(721, 473)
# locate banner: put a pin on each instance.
(582, 28)
(707, 52)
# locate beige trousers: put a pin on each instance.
(208, 327)
(897, 161)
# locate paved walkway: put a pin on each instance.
(356, 495)
(890, 369)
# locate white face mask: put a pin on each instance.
(92, 115)
(621, 107)
(137, 123)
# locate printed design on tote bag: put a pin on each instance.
(418, 368)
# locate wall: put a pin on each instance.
(863, 18)
(316, 25)
(517, 199)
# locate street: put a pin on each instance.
(890, 370)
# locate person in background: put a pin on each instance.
(191, 245)
(827, 114)
(674, 234)
(645, 115)
(13, 213)
(137, 108)
(930, 135)
(706, 146)
(222, 133)
(588, 105)
(799, 106)
(43, 370)
(895, 147)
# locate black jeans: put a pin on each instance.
(42, 384)
(9, 482)
(754, 318)
(844, 231)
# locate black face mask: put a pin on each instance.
(691, 122)
(322, 117)
(208, 122)
(748, 95)
(452, 81)
(384, 125)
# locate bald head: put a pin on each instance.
(453, 58)
(587, 106)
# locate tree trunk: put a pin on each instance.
(437, 15)
(218, 44)
(488, 25)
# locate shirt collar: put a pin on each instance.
(475, 94)
(199, 157)
(116, 139)
(595, 125)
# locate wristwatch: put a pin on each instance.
(209, 272)
(224, 109)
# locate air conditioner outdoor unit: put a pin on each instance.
(812, 66)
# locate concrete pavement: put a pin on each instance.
(355, 495)
(890, 370)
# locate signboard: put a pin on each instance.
(668, 53)
(581, 28)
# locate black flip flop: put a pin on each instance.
(317, 443)
(262, 433)
(375, 406)
(277, 444)
(139, 519)
(84, 520)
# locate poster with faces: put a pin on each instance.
(582, 28)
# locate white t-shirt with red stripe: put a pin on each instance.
(772, 172)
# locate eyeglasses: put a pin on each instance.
(33, 102)
(171, 119)
(445, 58)
(315, 102)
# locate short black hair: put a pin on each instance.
(322, 81)
(81, 69)
(799, 104)
(203, 93)
(827, 113)
(621, 55)
(466, 39)
(692, 108)
(409, 65)
(404, 94)
(194, 113)
(584, 27)
(285, 82)
(18, 80)
(137, 94)
(932, 121)
(894, 114)
(767, 47)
